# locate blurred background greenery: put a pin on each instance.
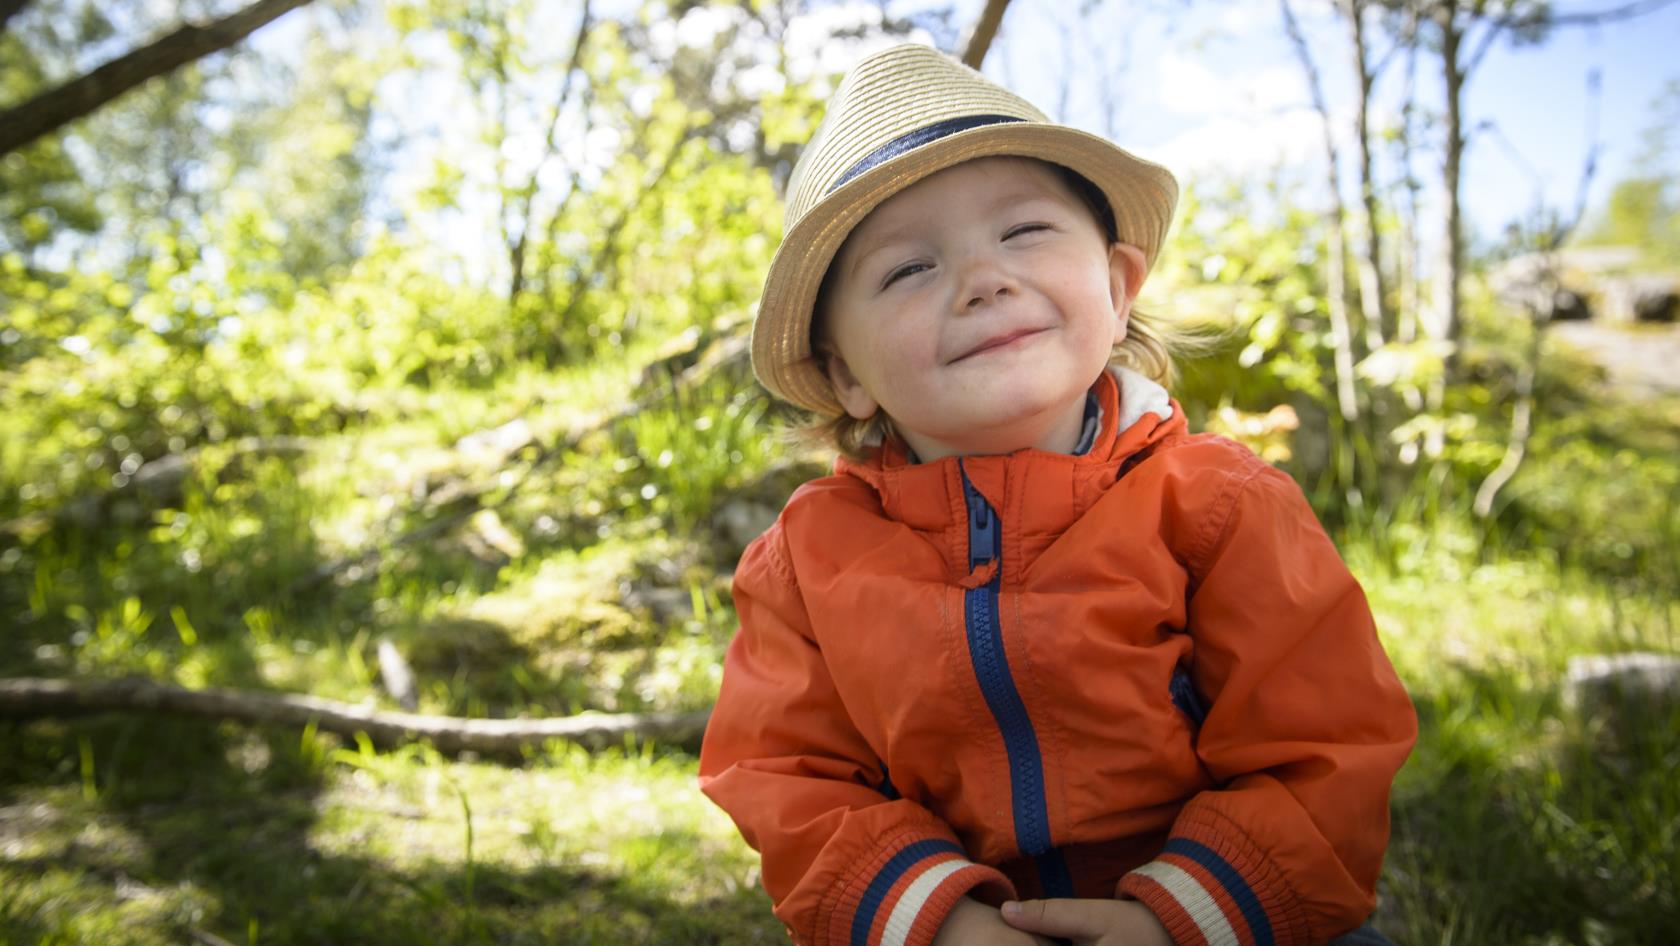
(273, 394)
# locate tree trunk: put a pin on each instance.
(1443, 322)
(1373, 296)
(1341, 333)
(84, 95)
(1446, 316)
(979, 38)
(28, 698)
(1411, 298)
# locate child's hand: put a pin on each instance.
(1089, 922)
(972, 923)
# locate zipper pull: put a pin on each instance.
(982, 527)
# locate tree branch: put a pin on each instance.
(1627, 11)
(84, 95)
(550, 144)
(1491, 34)
(31, 698)
(1611, 15)
(980, 36)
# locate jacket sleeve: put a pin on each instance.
(1306, 727)
(844, 863)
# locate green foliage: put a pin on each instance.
(1242, 258)
(684, 461)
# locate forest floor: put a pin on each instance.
(1520, 818)
(1517, 820)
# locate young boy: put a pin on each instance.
(1032, 639)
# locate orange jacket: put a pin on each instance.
(1142, 671)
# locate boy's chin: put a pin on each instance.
(1014, 426)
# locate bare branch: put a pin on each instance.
(1612, 15)
(84, 95)
(1628, 11)
(979, 38)
(27, 698)
(528, 193)
(1488, 36)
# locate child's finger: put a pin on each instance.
(1057, 917)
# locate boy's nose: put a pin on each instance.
(984, 281)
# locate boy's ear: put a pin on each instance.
(1126, 268)
(847, 387)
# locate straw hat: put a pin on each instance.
(898, 116)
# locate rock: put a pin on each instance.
(1657, 306)
(665, 605)
(743, 520)
(1569, 306)
(1617, 683)
(1640, 298)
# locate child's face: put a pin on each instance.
(976, 307)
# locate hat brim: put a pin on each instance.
(1142, 195)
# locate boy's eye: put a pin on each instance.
(908, 269)
(1025, 228)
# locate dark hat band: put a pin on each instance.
(915, 139)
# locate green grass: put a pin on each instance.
(1518, 819)
(362, 847)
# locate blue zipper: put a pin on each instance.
(991, 668)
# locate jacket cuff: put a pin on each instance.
(1212, 886)
(902, 894)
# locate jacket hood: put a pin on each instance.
(1135, 415)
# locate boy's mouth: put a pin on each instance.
(1001, 340)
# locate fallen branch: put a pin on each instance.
(31, 698)
(732, 348)
(157, 483)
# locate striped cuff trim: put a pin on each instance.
(914, 898)
(1199, 895)
(1198, 905)
(1226, 876)
(906, 874)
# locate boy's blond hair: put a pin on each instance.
(1148, 347)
